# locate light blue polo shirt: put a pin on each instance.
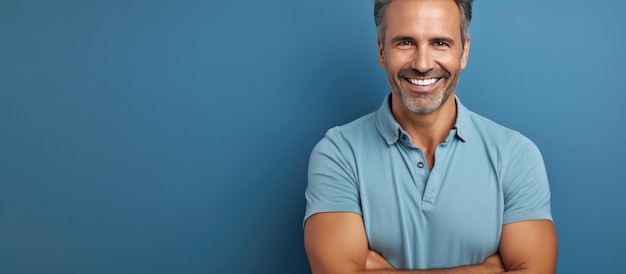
(485, 176)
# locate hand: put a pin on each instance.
(495, 262)
(376, 261)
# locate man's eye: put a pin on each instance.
(441, 44)
(405, 43)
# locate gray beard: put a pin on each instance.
(425, 109)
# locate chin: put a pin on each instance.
(422, 103)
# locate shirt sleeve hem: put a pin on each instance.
(527, 216)
(312, 212)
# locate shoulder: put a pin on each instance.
(510, 151)
(354, 133)
(499, 135)
(344, 146)
(356, 127)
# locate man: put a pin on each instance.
(423, 185)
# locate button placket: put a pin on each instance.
(433, 186)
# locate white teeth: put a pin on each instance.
(423, 82)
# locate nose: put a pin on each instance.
(423, 59)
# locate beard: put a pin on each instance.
(426, 102)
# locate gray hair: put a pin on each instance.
(465, 8)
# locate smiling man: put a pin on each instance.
(423, 185)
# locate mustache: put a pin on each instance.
(433, 73)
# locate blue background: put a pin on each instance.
(173, 136)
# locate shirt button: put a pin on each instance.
(404, 137)
(420, 164)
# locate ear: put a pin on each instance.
(381, 56)
(465, 56)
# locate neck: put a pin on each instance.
(428, 130)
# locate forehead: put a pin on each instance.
(413, 17)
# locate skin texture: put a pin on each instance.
(423, 41)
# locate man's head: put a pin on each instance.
(423, 45)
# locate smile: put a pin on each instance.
(422, 82)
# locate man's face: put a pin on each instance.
(422, 52)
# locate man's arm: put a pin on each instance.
(525, 247)
(529, 247)
(336, 243)
(528, 243)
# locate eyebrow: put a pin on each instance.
(444, 39)
(436, 39)
(400, 38)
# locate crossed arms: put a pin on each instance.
(336, 243)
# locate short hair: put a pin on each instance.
(465, 8)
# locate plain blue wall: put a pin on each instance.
(173, 136)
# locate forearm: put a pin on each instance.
(470, 269)
(376, 264)
(476, 269)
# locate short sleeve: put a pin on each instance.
(525, 183)
(332, 185)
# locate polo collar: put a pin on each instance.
(391, 130)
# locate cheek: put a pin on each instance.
(451, 63)
(397, 60)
